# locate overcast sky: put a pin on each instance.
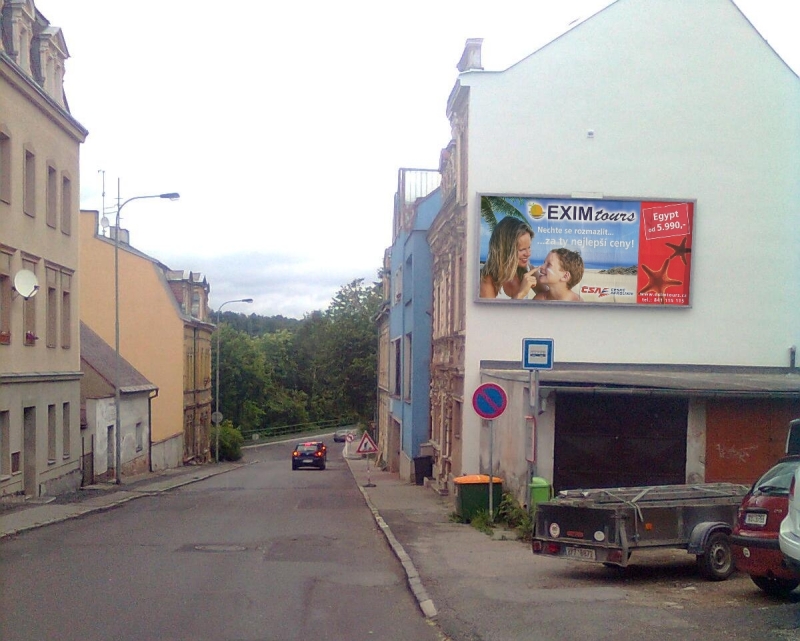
(283, 124)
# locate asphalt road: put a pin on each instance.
(260, 553)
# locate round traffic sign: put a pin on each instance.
(350, 437)
(216, 418)
(489, 400)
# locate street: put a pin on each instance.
(261, 553)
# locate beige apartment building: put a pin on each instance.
(39, 258)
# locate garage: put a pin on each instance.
(744, 437)
(619, 440)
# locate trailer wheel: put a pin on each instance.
(716, 562)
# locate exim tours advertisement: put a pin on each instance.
(629, 252)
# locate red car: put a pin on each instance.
(754, 541)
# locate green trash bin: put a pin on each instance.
(541, 491)
(472, 495)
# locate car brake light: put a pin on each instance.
(791, 488)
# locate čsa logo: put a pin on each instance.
(600, 291)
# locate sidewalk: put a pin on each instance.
(102, 496)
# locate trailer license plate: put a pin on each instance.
(581, 553)
(755, 518)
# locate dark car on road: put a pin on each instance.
(310, 454)
(340, 436)
(754, 541)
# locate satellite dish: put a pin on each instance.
(26, 283)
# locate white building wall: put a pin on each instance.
(686, 101)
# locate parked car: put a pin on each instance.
(310, 454)
(789, 536)
(754, 540)
(340, 436)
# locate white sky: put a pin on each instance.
(283, 124)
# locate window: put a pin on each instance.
(5, 167)
(29, 311)
(52, 195)
(66, 310)
(52, 305)
(196, 304)
(65, 430)
(5, 445)
(66, 205)
(397, 286)
(188, 368)
(29, 181)
(407, 368)
(15, 462)
(139, 436)
(395, 364)
(5, 298)
(408, 280)
(51, 433)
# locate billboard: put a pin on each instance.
(618, 252)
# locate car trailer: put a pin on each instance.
(607, 525)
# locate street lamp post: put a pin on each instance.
(117, 420)
(217, 415)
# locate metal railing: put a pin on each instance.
(299, 429)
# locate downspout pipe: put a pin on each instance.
(150, 398)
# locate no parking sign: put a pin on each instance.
(489, 401)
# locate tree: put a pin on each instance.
(491, 206)
(321, 367)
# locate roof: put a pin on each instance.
(101, 357)
(694, 380)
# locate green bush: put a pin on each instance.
(230, 442)
(482, 521)
(515, 517)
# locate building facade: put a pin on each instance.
(98, 412)
(159, 335)
(405, 428)
(39, 258)
(639, 106)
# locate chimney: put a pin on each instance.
(124, 235)
(471, 58)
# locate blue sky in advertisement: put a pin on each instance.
(605, 233)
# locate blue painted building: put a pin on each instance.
(407, 427)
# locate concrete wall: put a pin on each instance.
(167, 453)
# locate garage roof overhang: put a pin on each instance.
(686, 380)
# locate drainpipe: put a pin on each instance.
(150, 398)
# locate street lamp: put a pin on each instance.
(117, 421)
(217, 415)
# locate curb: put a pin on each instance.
(412, 575)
